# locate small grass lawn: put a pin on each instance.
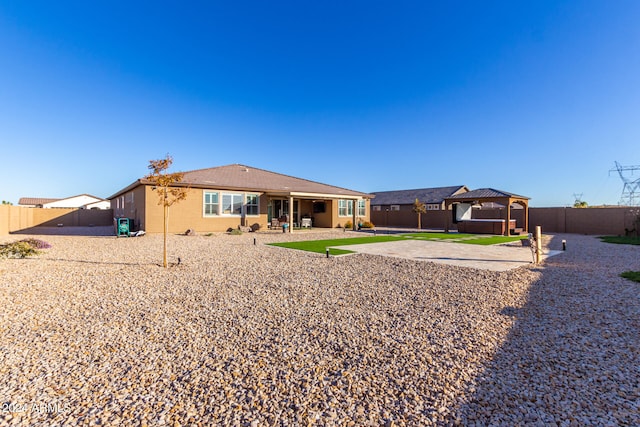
(621, 240)
(320, 246)
(631, 275)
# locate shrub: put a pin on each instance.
(348, 224)
(235, 231)
(631, 275)
(17, 250)
(37, 243)
(367, 224)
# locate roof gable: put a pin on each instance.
(425, 195)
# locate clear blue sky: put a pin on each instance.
(538, 98)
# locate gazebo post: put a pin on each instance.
(507, 231)
(446, 216)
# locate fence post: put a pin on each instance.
(538, 244)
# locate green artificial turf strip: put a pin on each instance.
(622, 240)
(439, 236)
(493, 240)
(631, 275)
(320, 246)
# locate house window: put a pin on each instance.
(253, 207)
(210, 203)
(376, 208)
(232, 204)
(362, 207)
(395, 207)
(433, 207)
(345, 207)
(319, 207)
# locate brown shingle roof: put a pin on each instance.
(241, 177)
(425, 195)
(485, 193)
(35, 200)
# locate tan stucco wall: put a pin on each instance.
(188, 214)
(338, 220)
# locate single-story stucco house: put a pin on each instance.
(235, 195)
(394, 208)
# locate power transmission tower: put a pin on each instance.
(577, 197)
(631, 187)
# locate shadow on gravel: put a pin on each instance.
(573, 354)
(100, 231)
(84, 261)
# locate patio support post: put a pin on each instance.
(507, 231)
(354, 214)
(290, 214)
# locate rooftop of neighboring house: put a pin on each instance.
(425, 195)
(41, 201)
(242, 177)
(35, 201)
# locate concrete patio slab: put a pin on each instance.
(494, 257)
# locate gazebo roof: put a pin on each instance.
(486, 193)
(491, 195)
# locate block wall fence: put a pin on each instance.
(19, 218)
(593, 221)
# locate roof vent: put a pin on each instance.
(246, 169)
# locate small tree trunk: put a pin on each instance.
(166, 226)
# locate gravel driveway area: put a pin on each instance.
(94, 332)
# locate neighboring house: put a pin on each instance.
(35, 202)
(82, 201)
(394, 208)
(237, 195)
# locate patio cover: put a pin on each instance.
(483, 195)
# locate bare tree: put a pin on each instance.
(168, 193)
(419, 208)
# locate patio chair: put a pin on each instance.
(275, 223)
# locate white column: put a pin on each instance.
(290, 214)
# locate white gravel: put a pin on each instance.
(94, 332)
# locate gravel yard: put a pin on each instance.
(94, 332)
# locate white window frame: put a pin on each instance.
(362, 207)
(433, 207)
(216, 204)
(345, 205)
(394, 207)
(235, 197)
(250, 205)
(376, 208)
